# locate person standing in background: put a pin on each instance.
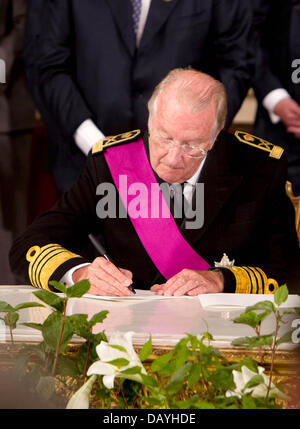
(276, 80)
(98, 63)
(17, 120)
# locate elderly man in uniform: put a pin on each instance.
(247, 214)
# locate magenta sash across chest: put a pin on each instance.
(157, 230)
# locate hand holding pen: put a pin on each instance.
(105, 277)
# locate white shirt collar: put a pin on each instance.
(194, 179)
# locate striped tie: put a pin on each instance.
(136, 13)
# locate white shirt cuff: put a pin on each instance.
(86, 135)
(67, 277)
(270, 101)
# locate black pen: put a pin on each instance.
(98, 246)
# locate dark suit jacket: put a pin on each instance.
(277, 45)
(16, 106)
(247, 215)
(90, 68)
(64, 160)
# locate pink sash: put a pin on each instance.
(160, 236)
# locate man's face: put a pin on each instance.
(173, 121)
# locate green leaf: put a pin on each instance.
(257, 341)
(281, 295)
(80, 325)
(204, 405)
(194, 341)
(195, 374)
(146, 350)
(250, 318)
(4, 307)
(178, 378)
(51, 332)
(168, 370)
(161, 362)
(78, 289)
(10, 319)
(59, 286)
(248, 402)
(267, 306)
(27, 305)
(67, 366)
(254, 381)
(153, 401)
(187, 404)
(37, 326)
(98, 318)
(222, 379)
(117, 347)
(51, 299)
(46, 387)
(207, 335)
(182, 356)
(148, 380)
(249, 363)
(131, 371)
(285, 338)
(119, 362)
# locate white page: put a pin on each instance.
(145, 295)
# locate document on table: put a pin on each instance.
(142, 295)
(220, 301)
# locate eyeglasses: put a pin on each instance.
(188, 150)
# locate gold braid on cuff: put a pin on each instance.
(43, 261)
(252, 280)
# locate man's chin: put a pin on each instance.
(169, 178)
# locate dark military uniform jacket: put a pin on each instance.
(247, 215)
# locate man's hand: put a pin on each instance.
(190, 282)
(105, 278)
(289, 112)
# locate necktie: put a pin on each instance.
(178, 203)
(136, 13)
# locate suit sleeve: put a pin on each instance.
(232, 22)
(61, 95)
(11, 45)
(282, 256)
(53, 243)
(264, 80)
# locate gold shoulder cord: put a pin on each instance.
(252, 280)
(274, 151)
(43, 261)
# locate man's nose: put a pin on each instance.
(174, 156)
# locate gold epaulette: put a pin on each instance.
(252, 280)
(274, 151)
(115, 140)
(43, 261)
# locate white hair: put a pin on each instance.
(194, 89)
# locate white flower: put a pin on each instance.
(241, 378)
(107, 352)
(81, 399)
